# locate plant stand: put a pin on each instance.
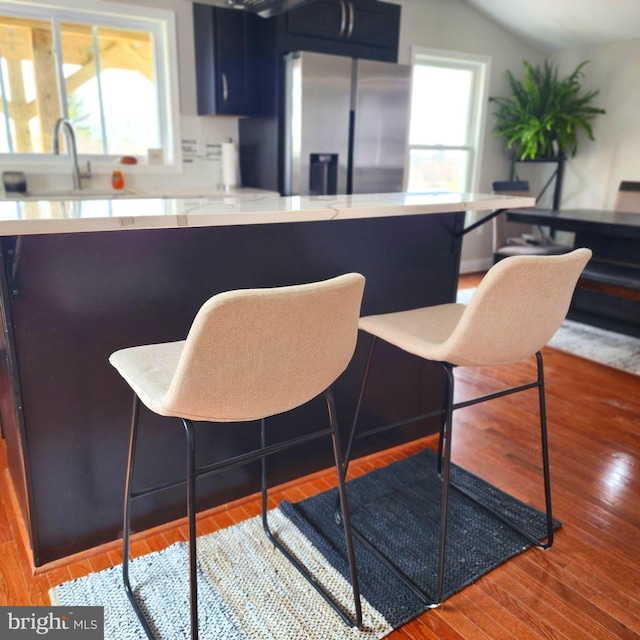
(557, 176)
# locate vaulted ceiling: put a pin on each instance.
(554, 25)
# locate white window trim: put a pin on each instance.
(162, 24)
(482, 68)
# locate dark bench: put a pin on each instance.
(614, 275)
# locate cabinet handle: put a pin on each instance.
(351, 19)
(225, 89)
(343, 21)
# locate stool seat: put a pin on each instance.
(423, 332)
(149, 371)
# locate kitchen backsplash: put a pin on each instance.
(200, 169)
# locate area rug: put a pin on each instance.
(592, 343)
(247, 590)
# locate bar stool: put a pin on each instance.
(249, 354)
(514, 312)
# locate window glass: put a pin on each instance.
(446, 116)
(442, 98)
(99, 74)
(110, 87)
(83, 98)
(127, 69)
(438, 170)
(30, 97)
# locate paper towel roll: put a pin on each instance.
(229, 165)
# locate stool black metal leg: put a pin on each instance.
(342, 492)
(446, 433)
(545, 451)
(191, 517)
(357, 620)
(347, 457)
(442, 429)
(191, 511)
(263, 462)
(444, 471)
(127, 520)
(545, 460)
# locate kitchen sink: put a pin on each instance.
(110, 194)
(72, 194)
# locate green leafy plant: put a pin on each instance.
(545, 113)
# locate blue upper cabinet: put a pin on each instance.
(356, 28)
(238, 53)
(226, 49)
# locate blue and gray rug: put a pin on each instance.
(248, 591)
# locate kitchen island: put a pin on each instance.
(83, 278)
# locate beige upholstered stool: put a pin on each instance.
(249, 354)
(514, 312)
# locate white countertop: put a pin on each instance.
(69, 216)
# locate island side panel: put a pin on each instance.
(84, 295)
(11, 416)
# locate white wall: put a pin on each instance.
(453, 25)
(593, 176)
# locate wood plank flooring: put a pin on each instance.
(587, 586)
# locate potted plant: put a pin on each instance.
(545, 113)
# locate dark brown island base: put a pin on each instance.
(80, 282)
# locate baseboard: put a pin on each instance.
(473, 266)
(11, 503)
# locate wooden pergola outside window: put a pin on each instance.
(52, 69)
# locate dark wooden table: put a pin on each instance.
(610, 223)
(608, 294)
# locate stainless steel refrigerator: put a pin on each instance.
(346, 125)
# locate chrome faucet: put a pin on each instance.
(72, 150)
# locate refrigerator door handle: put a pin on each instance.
(225, 89)
(343, 21)
(351, 19)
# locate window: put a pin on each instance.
(447, 108)
(107, 73)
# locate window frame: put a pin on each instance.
(480, 66)
(161, 24)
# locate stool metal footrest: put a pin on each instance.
(444, 466)
(193, 473)
(394, 569)
(355, 621)
(512, 525)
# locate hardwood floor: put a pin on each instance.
(586, 586)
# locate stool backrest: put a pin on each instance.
(518, 306)
(258, 352)
(628, 197)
